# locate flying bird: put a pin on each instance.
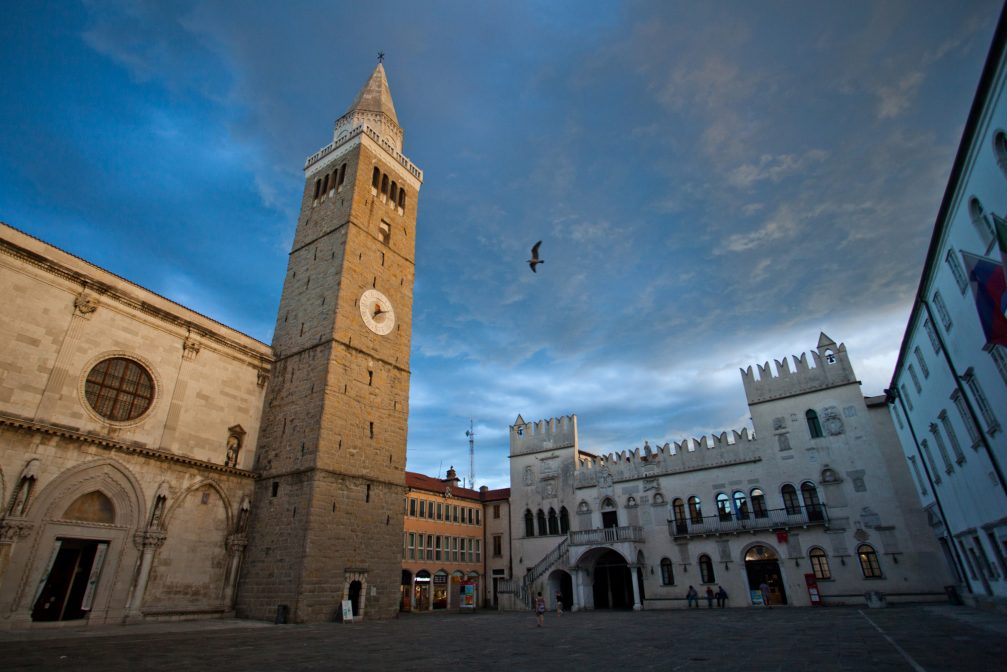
(534, 261)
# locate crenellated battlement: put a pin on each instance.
(705, 452)
(829, 366)
(551, 434)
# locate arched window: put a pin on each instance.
(790, 501)
(667, 573)
(529, 523)
(695, 510)
(376, 178)
(759, 503)
(723, 506)
(814, 427)
(1000, 150)
(384, 185)
(980, 220)
(553, 522)
(678, 514)
(318, 189)
(869, 561)
(812, 504)
(543, 528)
(740, 505)
(325, 185)
(564, 520)
(820, 563)
(402, 198)
(393, 192)
(341, 178)
(706, 569)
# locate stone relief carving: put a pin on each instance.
(190, 348)
(779, 423)
(235, 440)
(784, 441)
(529, 475)
(85, 304)
(831, 422)
(604, 478)
(261, 377)
(650, 484)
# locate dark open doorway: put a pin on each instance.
(613, 585)
(70, 580)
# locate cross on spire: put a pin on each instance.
(381, 57)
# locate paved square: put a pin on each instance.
(930, 638)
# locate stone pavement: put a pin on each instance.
(914, 638)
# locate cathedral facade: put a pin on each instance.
(816, 508)
(155, 463)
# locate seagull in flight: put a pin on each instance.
(534, 261)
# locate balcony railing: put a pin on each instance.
(770, 519)
(607, 535)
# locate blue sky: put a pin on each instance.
(714, 183)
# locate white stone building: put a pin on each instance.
(948, 394)
(817, 502)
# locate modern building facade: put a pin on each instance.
(155, 463)
(948, 395)
(453, 539)
(817, 504)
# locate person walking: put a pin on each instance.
(709, 597)
(764, 589)
(559, 603)
(692, 597)
(539, 609)
(721, 597)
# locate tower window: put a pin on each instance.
(814, 426)
(341, 178)
(376, 178)
(402, 198)
(393, 192)
(384, 185)
(276, 488)
(325, 184)
(385, 232)
(318, 187)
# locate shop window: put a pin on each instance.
(869, 561)
(819, 563)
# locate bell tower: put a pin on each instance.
(327, 516)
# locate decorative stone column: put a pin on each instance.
(579, 576)
(637, 605)
(147, 543)
(11, 529)
(236, 550)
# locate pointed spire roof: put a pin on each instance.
(824, 341)
(375, 96)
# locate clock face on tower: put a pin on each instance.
(377, 313)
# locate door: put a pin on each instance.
(609, 519)
(68, 586)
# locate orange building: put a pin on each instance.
(443, 543)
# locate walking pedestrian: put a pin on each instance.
(692, 598)
(559, 603)
(721, 597)
(539, 609)
(709, 597)
(764, 589)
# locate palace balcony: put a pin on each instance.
(607, 535)
(733, 523)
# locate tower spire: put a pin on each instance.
(375, 96)
(373, 108)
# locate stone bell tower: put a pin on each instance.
(327, 517)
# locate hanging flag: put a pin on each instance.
(1000, 228)
(986, 278)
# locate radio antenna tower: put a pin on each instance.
(472, 455)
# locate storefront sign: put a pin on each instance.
(812, 583)
(347, 611)
(468, 593)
